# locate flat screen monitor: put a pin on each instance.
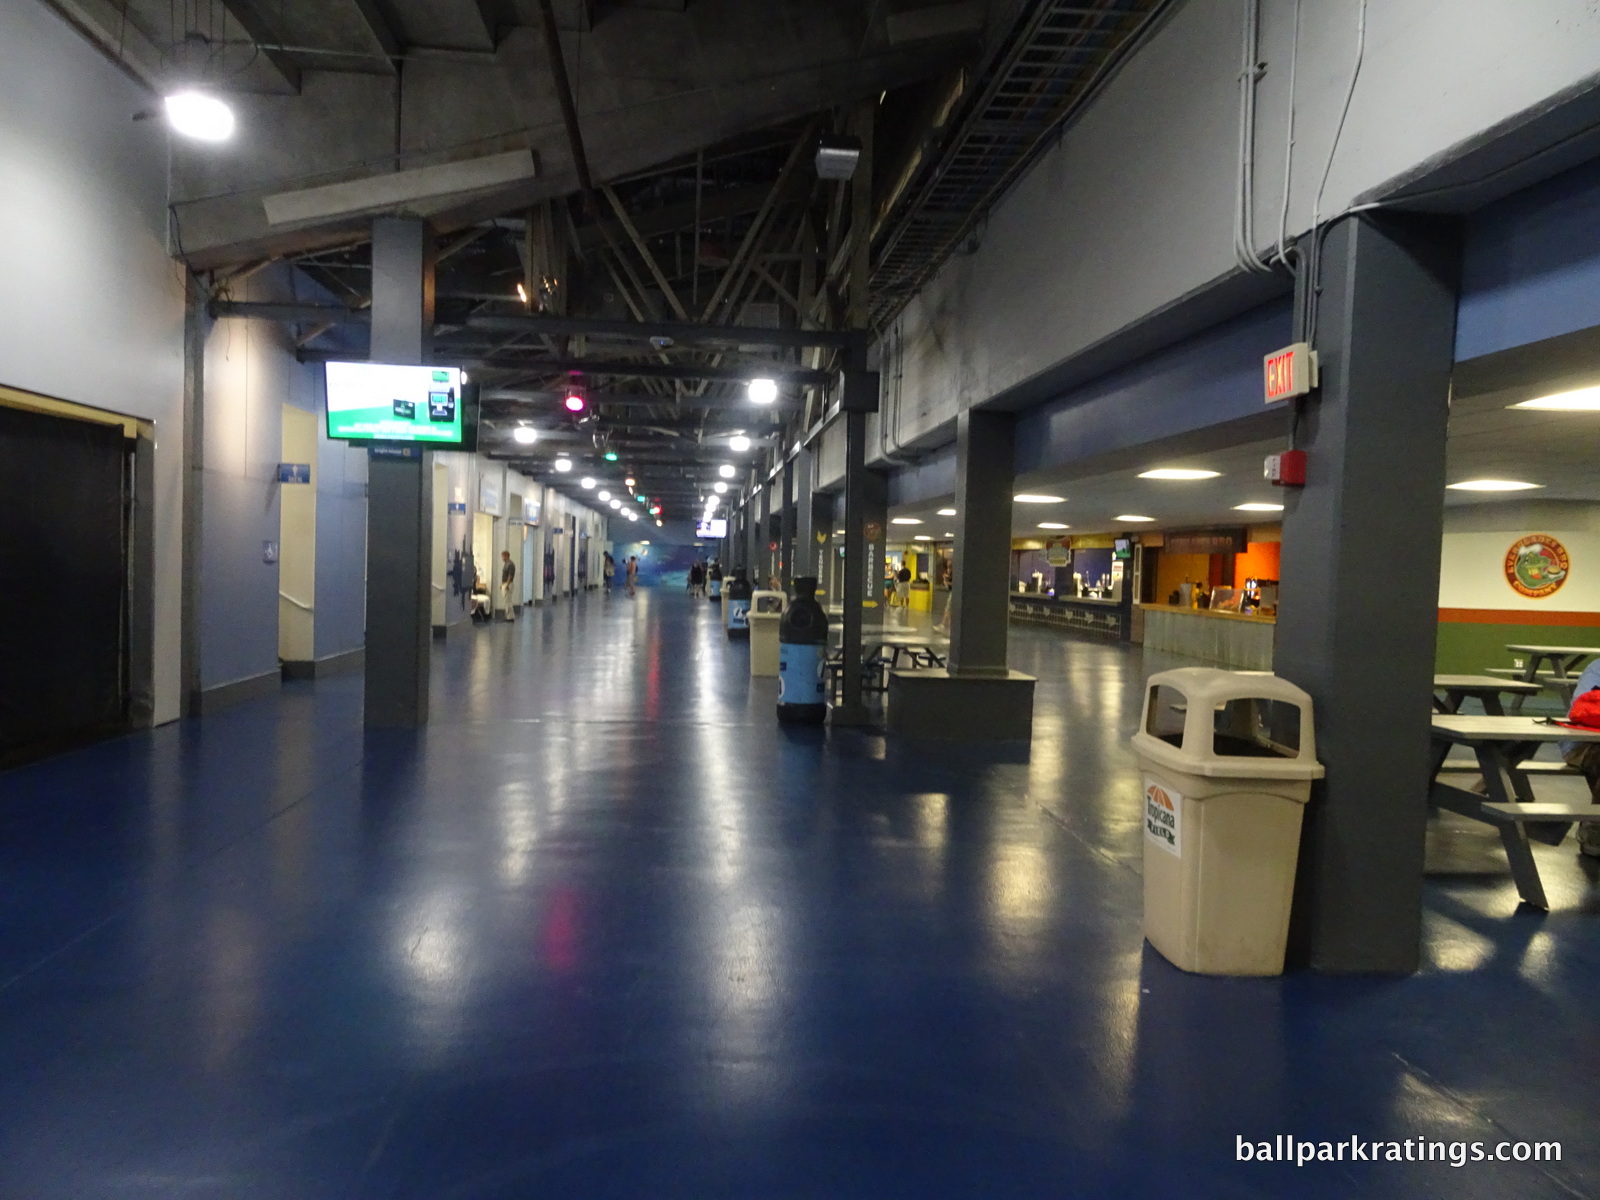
(716, 528)
(380, 402)
(1122, 548)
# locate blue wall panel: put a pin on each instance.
(1531, 268)
(1209, 379)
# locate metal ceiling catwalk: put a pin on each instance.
(1056, 57)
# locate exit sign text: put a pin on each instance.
(1290, 372)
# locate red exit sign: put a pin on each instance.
(1290, 372)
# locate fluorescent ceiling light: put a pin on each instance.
(947, 512)
(1033, 498)
(1493, 485)
(198, 116)
(1131, 517)
(1178, 473)
(1258, 508)
(763, 391)
(401, 189)
(923, 537)
(1582, 400)
(905, 520)
(725, 470)
(1053, 525)
(739, 443)
(525, 435)
(947, 535)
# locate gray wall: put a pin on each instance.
(91, 308)
(1134, 209)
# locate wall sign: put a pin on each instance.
(489, 495)
(458, 507)
(1536, 566)
(1289, 372)
(294, 472)
(1163, 817)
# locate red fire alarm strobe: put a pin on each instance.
(1287, 469)
(1290, 372)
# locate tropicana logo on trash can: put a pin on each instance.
(1537, 566)
(1163, 817)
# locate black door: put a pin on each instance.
(64, 488)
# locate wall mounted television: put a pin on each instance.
(715, 528)
(401, 405)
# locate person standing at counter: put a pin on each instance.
(902, 586)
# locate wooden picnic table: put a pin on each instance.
(1502, 746)
(1485, 688)
(1560, 677)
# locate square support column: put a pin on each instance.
(979, 698)
(804, 557)
(400, 491)
(786, 527)
(1363, 646)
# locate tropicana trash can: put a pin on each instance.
(1228, 758)
(766, 614)
(736, 605)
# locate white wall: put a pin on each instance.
(91, 308)
(1134, 208)
(1476, 541)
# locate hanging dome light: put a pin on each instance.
(199, 116)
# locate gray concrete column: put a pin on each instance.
(402, 291)
(1361, 645)
(980, 602)
(399, 594)
(399, 491)
(752, 527)
(786, 526)
(978, 698)
(805, 559)
(851, 710)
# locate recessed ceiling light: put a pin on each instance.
(1132, 517)
(1493, 485)
(196, 115)
(1258, 508)
(947, 512)
(1178, 473)
(1034, 498)
(947, 535)
(1053, 525)
(923, 537)
(1582, 400)
(905, 521)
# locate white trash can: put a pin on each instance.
(766, 614)
(1228, 758)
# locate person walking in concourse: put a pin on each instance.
(633, 575)
(508, 577)
(608, 571)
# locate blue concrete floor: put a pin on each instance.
(605, 930)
